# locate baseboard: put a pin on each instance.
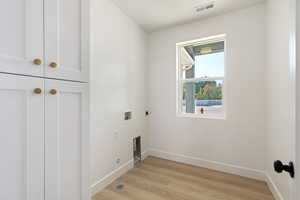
(111, 177)
(219, 166)
(145, 154)
(274, 189)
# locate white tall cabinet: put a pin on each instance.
(66, 136)
(21, 138)
(44, 67)
(45, 38)
(21, 37)
(66, 39)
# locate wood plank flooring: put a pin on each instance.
(157, 179)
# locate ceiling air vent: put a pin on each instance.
(204, 7)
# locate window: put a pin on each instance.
(201, 78)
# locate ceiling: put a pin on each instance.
(157, 14)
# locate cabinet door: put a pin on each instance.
(66, 39)
(21, 40)
(67, 139)
(21, 138)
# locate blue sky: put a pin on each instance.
(209, 65)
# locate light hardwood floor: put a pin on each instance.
(157, 179)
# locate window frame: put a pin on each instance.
(180, 81)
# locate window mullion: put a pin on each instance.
(195, 80)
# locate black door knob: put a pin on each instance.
(279, 167)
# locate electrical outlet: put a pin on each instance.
(128, 115)
(147, 113)
(118, 161)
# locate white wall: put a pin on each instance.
(118, 84)
(252, 136)
(239, 140)
(278, 101)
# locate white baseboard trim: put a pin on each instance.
(145, 154)
(219, 166)
(274, 189)
(111, 177)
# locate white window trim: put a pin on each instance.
(180, 81)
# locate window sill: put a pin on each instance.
(201, 116)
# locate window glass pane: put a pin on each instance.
(204, 97)
(199, 61)
(210, 65)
